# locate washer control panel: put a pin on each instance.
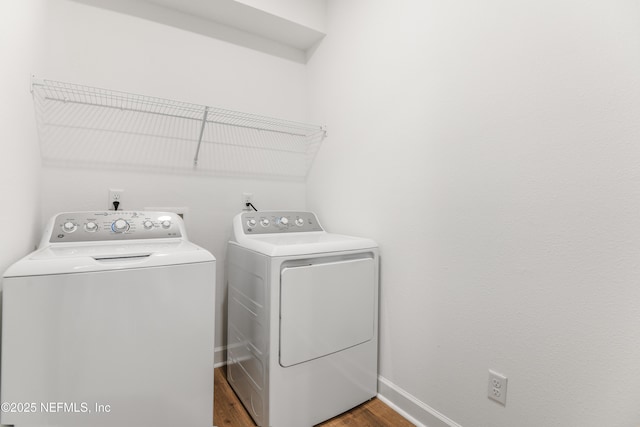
(114, 225)
(268, 222)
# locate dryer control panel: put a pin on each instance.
(269, 222)
(114, 225)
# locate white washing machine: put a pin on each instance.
(109, 323)
(302, 318)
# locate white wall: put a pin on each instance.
(21, 39)
(492, 150)
(97, 47)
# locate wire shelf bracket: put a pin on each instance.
(204, 123)
(93, 127)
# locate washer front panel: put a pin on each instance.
(134, 339)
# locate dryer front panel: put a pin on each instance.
(325, 308)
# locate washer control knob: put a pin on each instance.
(284, 220)
(120, 226)
(264, 222)
(91, 226)
(299, 222)
(166, 223)
(69, 227)
(252, 223)
(148, 225)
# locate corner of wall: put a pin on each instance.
(411, 408)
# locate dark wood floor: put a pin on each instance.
(229, 412)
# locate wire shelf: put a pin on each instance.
(92, 127)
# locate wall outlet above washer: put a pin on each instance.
(247, 198)
(115, 195)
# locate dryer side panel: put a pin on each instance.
(325, 308)
(248, 329)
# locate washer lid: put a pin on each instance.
(276, 239)
(105, 256)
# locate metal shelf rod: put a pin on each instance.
(177, 116)
(259, 128)
(127, 132)
(113, 107)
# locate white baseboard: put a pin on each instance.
(414, 410)
(219, 356)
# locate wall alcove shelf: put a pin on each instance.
(92, 127)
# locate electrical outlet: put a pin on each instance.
(247, 198)
(115, 195)
(497, 389)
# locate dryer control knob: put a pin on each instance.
(299, 222)
(166, 223)
(284, 220)
(120, 226)
(264, 222)
(252, 223)
(91, 226)
(148, 224)
(69, 227)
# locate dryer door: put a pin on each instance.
(325, 308)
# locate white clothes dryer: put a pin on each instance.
(302, 318)
(109, 323)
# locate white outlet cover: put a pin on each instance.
(115, 195)
(497, 387)
(246, 198)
